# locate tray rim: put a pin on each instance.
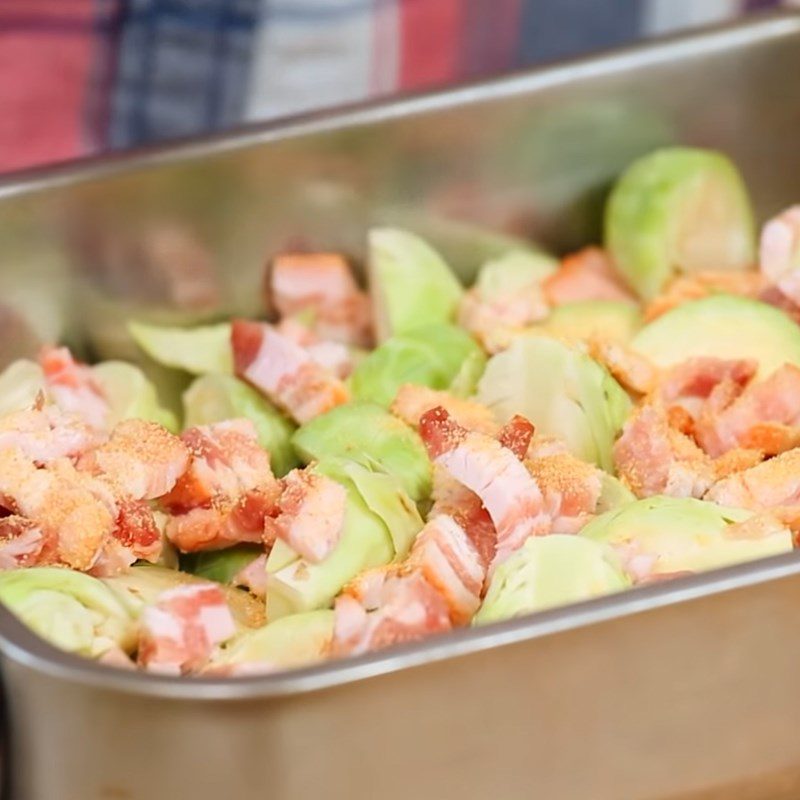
(19, 644)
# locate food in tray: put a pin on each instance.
(373, 467)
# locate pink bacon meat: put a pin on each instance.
(506, 488)
(45, 434)
(311, 514)
(227, 491)
(654, 458)
(399, 608)
(585, 275)
(181, 629)
(322, 284)
(765, 416)
(284, 371)
(779, 253)
(74, 387)
(773, 484)
(142, 459)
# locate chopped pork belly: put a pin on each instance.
(449, 562)
(571, 489)
(495, 322)
(765, 416)
(253, 577)
(779, 253)
(504, 485)
(633, 371)
(46, 433)
(312, 512)
(322, 284)
(73, 387)
(585, 275)
(653, 458)
(143, 459)
(284, 371)
(454, 499)
(404, 608)
(226, 492)
(773, 484)
(702, 284)
(412, 401)
(23, 543)
(73, 520)
(333, 356)
(181, 629)
(516, 435)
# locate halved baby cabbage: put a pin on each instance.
(131, 395)
(214, 398)
(198, 350)
(512, 272)
(380, 523)
(562, 391)
(723, 326)
(72, 611)
(431, 356)
(409, 282)
(294, 641)
(678, 210)
(682, 534)
(550, 571)
(363, 432)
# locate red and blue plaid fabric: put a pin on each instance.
(85, 76)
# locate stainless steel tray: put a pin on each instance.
(686, 689)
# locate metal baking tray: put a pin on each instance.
(685, 689)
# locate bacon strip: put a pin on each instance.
(284, 371)
(311, 514)
(587, 274)
(322, 284)
(179, 631)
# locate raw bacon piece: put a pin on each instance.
(142, 459)
(23, 543)
(571, 489)
(284, 371)
(406, 608)
(73, 387)
(45, 434)
(226, 460)
(253, 577)
(323, 285)
(516, 435)
(454, 499)
(227, 491)
(495, 322)
(312, 512)
(703, 284)
(449, 562)
(180, 630)
(779, 253)
(587, 274)
(505, 487)
(58, 501)
(773, 484)
(654, 458)
(633, 371)
(333, 356)
(413, 401)
(765, 416)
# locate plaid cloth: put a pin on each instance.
(84, 76)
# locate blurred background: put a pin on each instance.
(81, 77)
